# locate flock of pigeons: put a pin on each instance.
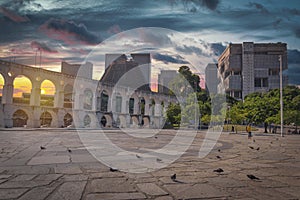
(174, 177)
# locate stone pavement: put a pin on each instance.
(66, 170)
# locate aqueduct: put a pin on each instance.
(89, 104)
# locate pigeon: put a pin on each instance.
(253, 140)
(138, 156)
(271, 142)
(251, 147)
(252, 177)
(219, 157)
(158, 160)
(42, 148)
(113, 169)
(173, 177)
(219, 150)
(257, 148)
(69, 150)
(219, 170)
(155, 137)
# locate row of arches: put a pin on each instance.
(20, 119)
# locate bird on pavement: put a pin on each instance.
(42, 148)
(219, 157)
(138, 156)
(69, 150)
(173, 177)
(219, 170)
(158, 160)
(113, 169)
(251, 147)
(257, 148)
(252, 177)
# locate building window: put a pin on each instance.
(261, 82)
(118, 104)
(237, 94)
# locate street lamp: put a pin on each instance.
(281, 100)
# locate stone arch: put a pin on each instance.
(68, 120)
(135, 120)
(87, 121)
(68, 96)
(22, 86)
(145, 121)
(104, 101)
(46, 119)
(20, 118)
(106, 121)
(48, 91)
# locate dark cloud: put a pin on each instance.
(190, 5)
(12, 15)
(69, 32)
(259, 7)
(42, 47)
(169, 59)
(293, 56)
(218, 48)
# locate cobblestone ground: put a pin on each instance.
(66, 170)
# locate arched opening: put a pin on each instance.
(103, 121)
(68, 96)
(20, 118)
(45, 119)
(131, 106)
(87, 121)
(118, 122)
(145, 122)
(88, 99)
(22, 90)
(104, 101)
(1, 87)
(47, 93)
(135, 120)
(142, 106)
(68, 120)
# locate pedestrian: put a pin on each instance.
(248, 129)
(232, 129)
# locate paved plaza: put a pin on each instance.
(64, 169)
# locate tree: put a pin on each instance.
(174, 113)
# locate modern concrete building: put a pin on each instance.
(211, 78)
(164, 78)
(249, 67)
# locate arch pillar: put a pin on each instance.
(35, 96)
(59, 98)
(8, 90)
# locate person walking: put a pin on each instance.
(248, 129)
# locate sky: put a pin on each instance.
(65, 30)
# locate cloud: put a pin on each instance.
(218, 48)
(42, 47)
(191, 5)
(293, 56)
(259, 7)
(114, 29)
(12, 15)
(69, 32)
(169, 59)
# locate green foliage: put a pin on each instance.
(174, 113)
(265, 107)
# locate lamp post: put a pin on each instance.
(281, 100)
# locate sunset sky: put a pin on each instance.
(65, 30)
